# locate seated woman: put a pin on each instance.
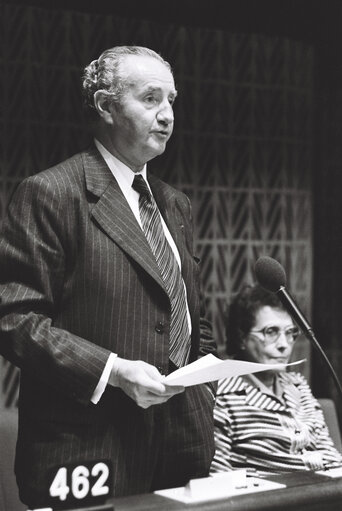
(268, 421)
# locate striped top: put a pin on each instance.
(259, 431)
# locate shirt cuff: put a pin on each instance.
(100, 387)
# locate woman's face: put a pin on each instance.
(270, 341)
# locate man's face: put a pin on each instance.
(142, 122)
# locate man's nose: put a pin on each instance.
(165, 113)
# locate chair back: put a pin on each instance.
(9, 497)
(330, 415)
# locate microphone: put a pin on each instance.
(271, 276)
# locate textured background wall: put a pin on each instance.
(242, 146)
(327, 219)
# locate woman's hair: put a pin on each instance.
(241, 313)
(105, 73)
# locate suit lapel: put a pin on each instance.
(114, 216)
(166, 201)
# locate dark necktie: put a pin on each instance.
(152, 226)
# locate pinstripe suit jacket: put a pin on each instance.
(78, 280)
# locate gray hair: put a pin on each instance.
(104, 73)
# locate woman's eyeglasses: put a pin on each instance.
(272, 333)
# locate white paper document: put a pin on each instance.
(219, 486)
(211, 368)
(331, 472)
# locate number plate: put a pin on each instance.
(84, 483)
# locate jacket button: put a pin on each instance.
(159, 327)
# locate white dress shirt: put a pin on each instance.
(124, 177)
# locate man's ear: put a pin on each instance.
(102, 104)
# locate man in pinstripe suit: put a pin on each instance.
(84, 312)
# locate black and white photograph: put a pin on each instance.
(170, 255)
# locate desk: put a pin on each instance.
(305, 491)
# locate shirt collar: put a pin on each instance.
(278, 388)
(122, 173)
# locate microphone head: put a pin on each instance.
(270, 274)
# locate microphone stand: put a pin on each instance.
(286, 299)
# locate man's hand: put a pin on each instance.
(142, 382)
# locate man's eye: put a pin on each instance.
(150, 99)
